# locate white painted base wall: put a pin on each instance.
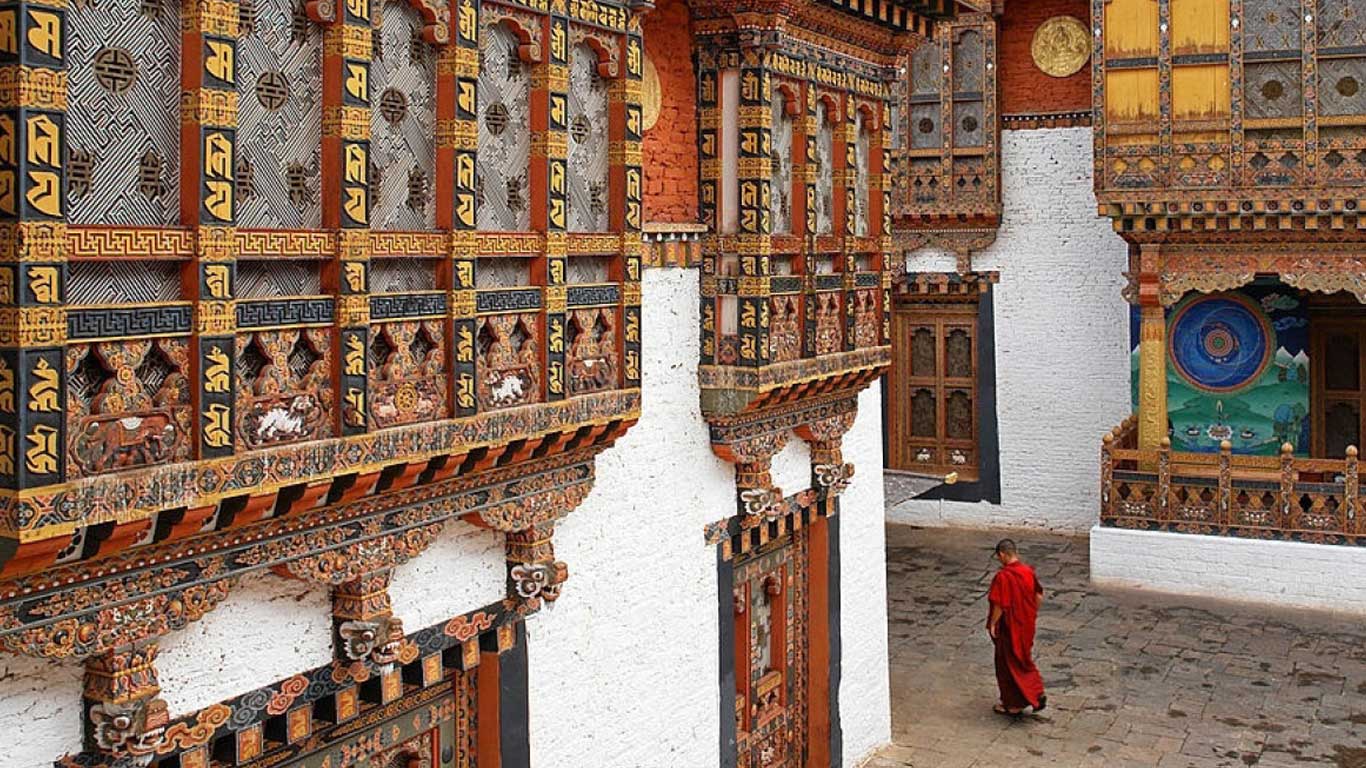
(1062, 339)
(624, 667)
(1281, 573)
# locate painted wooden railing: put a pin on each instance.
(1265, 497)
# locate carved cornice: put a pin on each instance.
(74, 612)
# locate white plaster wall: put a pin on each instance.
(269, 628)
(40, 711)
(623, 668)
(1062, 339)
(1322, 577)
(461, 571)
(865, 697)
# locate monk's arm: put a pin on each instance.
(994, 619)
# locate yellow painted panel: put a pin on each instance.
(1200, 92)
(1199, 26)
(1131, 96)
(1130, 29)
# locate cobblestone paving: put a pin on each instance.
(1134, 679)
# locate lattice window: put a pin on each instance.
(103, 283)
(279, 97)
(504, 133)
(932, 413)
(1342, 66)
(402, 275)
(123, 140)
(588, 143)
(403, 121)
(780, 181)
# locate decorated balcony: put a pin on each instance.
(795, 190)
(1217, 115)
(345, 273)
(946, 140)
(1284, 496)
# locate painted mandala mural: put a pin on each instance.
(1219, 343)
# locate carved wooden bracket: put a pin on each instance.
(123, 716)
(534, 575)
(364, 627)
(830, 473)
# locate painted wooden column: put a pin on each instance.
(753, 240)
(549, 198)
(625, 175)
(348, 45)
(708, 207)
(846, 210)
(1152, 352)
(880, 213)
(33, 324)
(457, 105)
(208, 141)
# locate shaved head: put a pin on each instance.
(1006, 547)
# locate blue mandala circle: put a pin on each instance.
(1220, 343)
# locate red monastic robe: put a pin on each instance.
(1016, 591)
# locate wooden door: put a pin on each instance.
(932, 405)
(1338, 385)
(771, 648)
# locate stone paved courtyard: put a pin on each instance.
(1134, 679)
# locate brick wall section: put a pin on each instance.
(1023, 87)
(670, 148)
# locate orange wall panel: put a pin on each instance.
(669, 148)
(1024, 89)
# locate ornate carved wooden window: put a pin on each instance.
(1341, 40)
(588, 185)
(504, 132)
(123, 143)
(932, 413)
(948, 170)
(279, 106)
(771, 648)
(402, 122)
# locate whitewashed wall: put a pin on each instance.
(1062, 339)
(623, 668)
(1322, 577)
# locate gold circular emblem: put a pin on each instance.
(1061, 46)
(649, 96)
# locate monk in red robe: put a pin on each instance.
(1015, 597)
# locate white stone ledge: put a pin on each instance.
(1290, 574)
